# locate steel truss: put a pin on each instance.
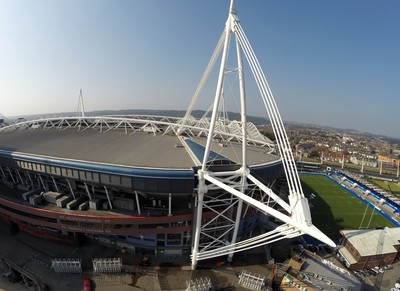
(227, 132)
(219, 236)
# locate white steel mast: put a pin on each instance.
(297, 220)
(81, 107)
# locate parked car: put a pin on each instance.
(388, 267)
(87, 284)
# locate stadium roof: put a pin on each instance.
(136, 149)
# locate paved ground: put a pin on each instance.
(34, 255)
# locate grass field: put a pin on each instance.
(388, 186)
(333, 208)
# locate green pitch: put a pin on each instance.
(388, 186)
(333, 208)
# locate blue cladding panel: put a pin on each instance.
(198, 150)
(103, 168)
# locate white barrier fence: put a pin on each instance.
(107, 265)
(252, 282)
(201, 284)
(66, 265)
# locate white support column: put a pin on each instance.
(55, 184)
(380, 170)
(398, 165)
(202, 189)
(20, 178)
(204, 79)
(87, 191)
(43, 185)
(237, 224)
(244, 145)
(4, 175)
(70, 189)
(81, 107)
(343, 162)
(218, 92)
(196, 242)
(169, 204)
(108, 197)
(29, 177)
(12, 177)
(137, 202)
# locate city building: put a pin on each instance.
(368, 248)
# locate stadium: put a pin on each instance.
(137, 185)
(190, 187)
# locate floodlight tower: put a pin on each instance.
(240, 183)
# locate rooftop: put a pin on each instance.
(373, 242)
(136, 149)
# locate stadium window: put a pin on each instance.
(89, 176)
(151, 185)
(138, 184)
(69, 173)
(174, 239)
(75, 174)
(115, 180)
(82, 175)
(28, 166)
(126, 182)
(163, 185)
(105, 178)
(95, 177)
(64, 172)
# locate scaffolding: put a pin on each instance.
(67, 265)
(107, 265)
(200, 284)
(251, 281)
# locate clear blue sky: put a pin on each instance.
(334, 63)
